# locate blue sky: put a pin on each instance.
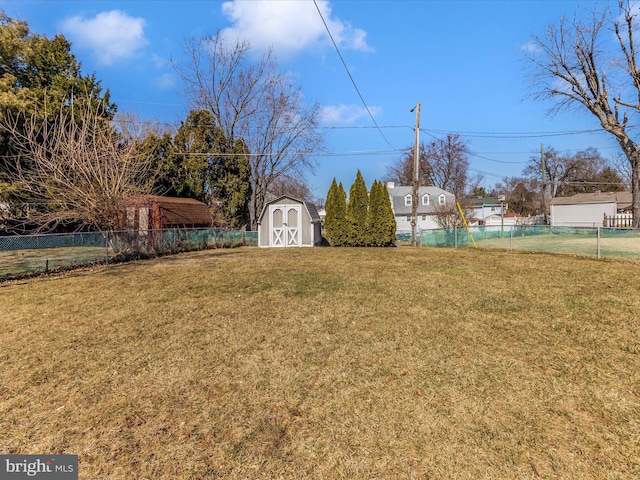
(463, 60)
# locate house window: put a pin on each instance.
(493, 209)
(442, 200)
(408, 218)
(407, 200)
(425, 199)
(424, 217)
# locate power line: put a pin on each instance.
(494, 160)
(349, 73)
(429, 132)
(515, 135)
(310, 153)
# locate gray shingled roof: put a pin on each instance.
(398, 194)
(622, 199)
(311, 208)
(313, 212)
(481, 201)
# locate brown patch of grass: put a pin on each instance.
(328, 363)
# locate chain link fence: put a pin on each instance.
(598, 242)
(22, 255)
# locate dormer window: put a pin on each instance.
(442, 200)
(407, 200)
(425, 199)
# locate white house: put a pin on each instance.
(430, 200)
(588, 209)
(508, 219)
(484, 208)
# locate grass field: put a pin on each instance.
(611, 246)
(328, 363)
(21, 262)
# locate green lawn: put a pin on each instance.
(26, 261)
(611, 246)
(328, 363)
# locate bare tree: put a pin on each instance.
(619, 163)
(294, 186)
(448, 164)
(570, 173)
(74, 169)
(448, 215)
(441, 163)
(253, 102)
(401, 171)
(577, 65)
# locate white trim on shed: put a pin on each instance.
(289, 222)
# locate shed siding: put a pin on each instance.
(581, 215)
(264, 230)
(307, 229)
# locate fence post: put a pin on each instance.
(173, 247)
(598, 242)
(511, 239)
(106, 248)
(455, 236)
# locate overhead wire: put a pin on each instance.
(429, 132)
(326, 26)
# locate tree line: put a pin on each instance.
(69, 159)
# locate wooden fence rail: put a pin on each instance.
(620, 220)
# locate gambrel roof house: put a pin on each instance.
(289, 222)
(587, 209)
(429, 200)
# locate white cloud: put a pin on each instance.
(160, 62)
(289, 26)
(345, 114)
(530, 47)
(112, 36)
(165, 81)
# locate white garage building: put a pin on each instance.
(588, 209)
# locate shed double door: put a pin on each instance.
(285, 221)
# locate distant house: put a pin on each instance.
(289, 222)
(588, 209)
(430, 200)
(152, 212)
(503, 220)
(484, 208)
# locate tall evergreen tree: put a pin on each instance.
(230, 184)
(336, 211)
(204, 165)
(357, 210)
(41, 76)
(381, 223)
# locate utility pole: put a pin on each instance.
(544, 185)
(414, 194)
